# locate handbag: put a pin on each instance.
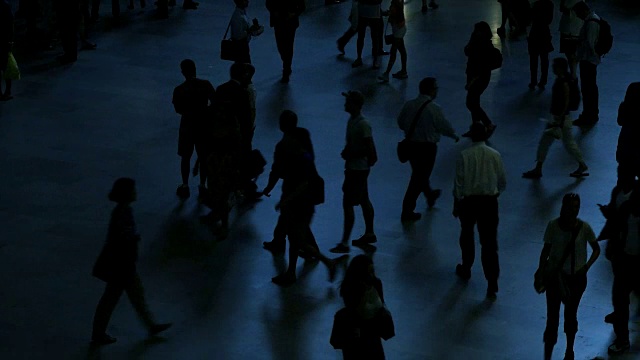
(12, 72)
(228, 47)
(404, 146)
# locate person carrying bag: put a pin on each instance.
(404, 146)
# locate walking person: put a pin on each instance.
(370, 16)
(628, 150)
(423, 123)
(116, 265)
(360, 155)
(294, 164)
(564, 262)
(539, 42)
(479, 180)
(570, 25)
(560, 127)
(191, 100)
(352, 30)
(398, 29)
(242, 30)
(284, 19)
(589, 60)
(481, 61)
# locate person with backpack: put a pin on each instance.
(589, 58)
(560, 127)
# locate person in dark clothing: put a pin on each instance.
(294, 164)
(359, 326)
(628, 151)
(284, 19)
(370, 15)
(478, 51)
(68, 15)
(116, 265)
(539, 42)
(191, 99)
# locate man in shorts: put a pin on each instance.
(359, 155)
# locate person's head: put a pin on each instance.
(581, 9)
(429, 86)
(570, 208)
(238, 72)
(250, 70)
(482, 31)
(478, 132)
(560, 66)
(360, 270)
(632, 96)
(188, 68)
(242, 4)
(354, 100)
(123, 191)
(288, 121)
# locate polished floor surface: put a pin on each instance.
(71, 130)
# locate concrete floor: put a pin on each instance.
(71, 130)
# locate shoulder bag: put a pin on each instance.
(228, 47)
(404, 146)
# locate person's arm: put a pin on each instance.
(442, 125)
(546, 249)
(372, 155)
(402, 118)
(276, 171)
(595, 247)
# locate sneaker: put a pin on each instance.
(618, 347)
(402, 74)
(432, 197)
(410, 217)
(284, 279)
(364, 240)
(581, 171)
(183, 191)
(274, 246)
(357, 63)
(103, 339)
(158, 328)
(384, 77)
(340, 249)
(532, 174)
(462, 272)
(285, 79)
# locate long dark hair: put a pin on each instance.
(355, 279)
(629, 110)
(122, 190)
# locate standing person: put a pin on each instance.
(6, 45)
(432, 4)
(560, 127)
(242, 30)
(480, 179)
(539, 42)
(565, 249)
(360, 155)
(294, 164)
(370, 15)
(116, 265)
(284, 19)
(352, 30)
(480, 52)
(570, 25)
(430, 124)
(399, 29)
(359, 326)
(191, 100)
(628, 151)
(68, 15)
(589, 60)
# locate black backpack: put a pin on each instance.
(605, 37)
(574, 94)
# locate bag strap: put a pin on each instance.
(227, 31)
(571, 246)
(412, 127)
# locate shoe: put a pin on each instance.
(104, 339)
(274, 246)
(580, 172)
(410, 217)
(433, 5)
(340, 249)
(384, 78)
(340, 47)
(357, 63)
(284, 279)
(618, 347)
(532, 174)
(532, 86)
(183, 191)
(402, 74)
(610, 318)
(364, 240)
(501, 32)
(462, 272)
(432, 197)
(158, 328)
(424, 9)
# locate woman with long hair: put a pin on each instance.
(398, 29)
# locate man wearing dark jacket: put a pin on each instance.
(284, 20)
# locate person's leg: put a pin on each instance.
(473, 99)
(346, 37)
(115, 8)
(377, 34)
(533, 67)
(572, 147)
(504, 10)
(365, 204)
(349, 220)
(185, 167)
(7, 89)
(621, 291)
(288, 55)
(418, 183)
(280, 233)
(106, 305)
(392, 57)
(550, 336)
(544, 69)
(467, 218)
(403, 54)
(135, 292)
(488, 233)
(577, 286)
(589, 88)
(362, 31)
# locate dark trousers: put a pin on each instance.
(347, 36)
(626, 279)
(533, 66)
(285, 36)
(377, 29)
(576, 285)
(280, 234)
(473, 99)
(422, 159)
(589, 89)
(109, 300)
(69, 22)
(483, 211)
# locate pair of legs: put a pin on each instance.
(356, 192)
(278, 243)
(423, 157)
(589, 89)
(534, 55)
(625, 281)
(576, 285)
(483, 211)
(186, 145)
(397, 46)
(376, 25)
(476, 86)
(285, 37)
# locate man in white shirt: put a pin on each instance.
(479, 180)
(565, 250)
(589, 60)
(430, 124)
(570, 25)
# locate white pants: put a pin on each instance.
(566, 137)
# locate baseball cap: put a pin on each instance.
(355, 96)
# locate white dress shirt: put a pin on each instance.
(431, 123)
(588, 37)
(479, 171)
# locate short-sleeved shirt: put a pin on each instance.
(559, 240)
(358, 130)
(191, 99)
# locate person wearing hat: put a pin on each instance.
(359, 154)
(479, 180)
